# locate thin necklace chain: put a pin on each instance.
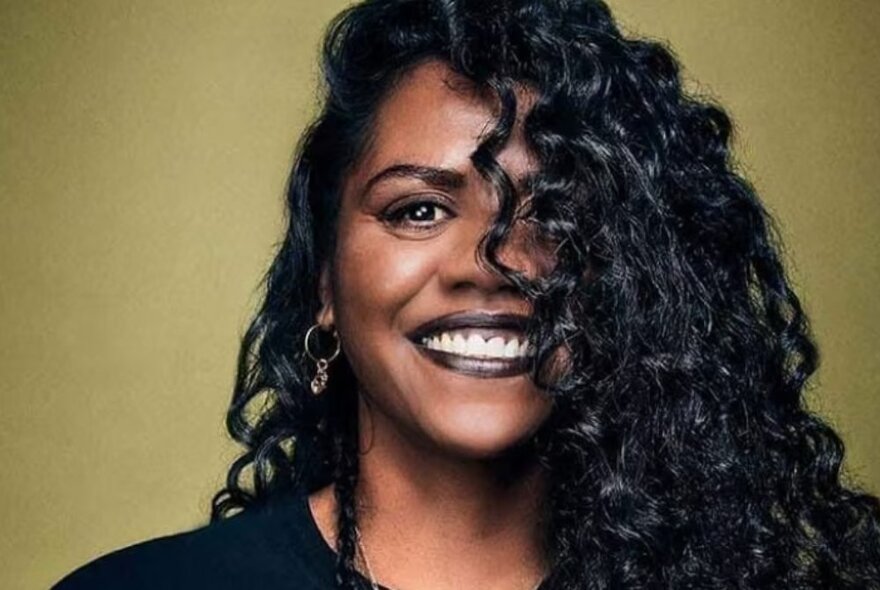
(373, 583)
(357, 535)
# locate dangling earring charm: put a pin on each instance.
(319, 383)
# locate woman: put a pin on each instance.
(527, 329)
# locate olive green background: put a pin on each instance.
(144, 147)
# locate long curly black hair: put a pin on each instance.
(680, 452)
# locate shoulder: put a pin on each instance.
(256, 548)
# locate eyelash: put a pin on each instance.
(396, 217)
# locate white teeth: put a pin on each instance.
(477, 346)
(495, 346)
(512, 348)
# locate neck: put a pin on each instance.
(434, 521)
(431, 519)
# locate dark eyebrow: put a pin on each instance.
(443, 178)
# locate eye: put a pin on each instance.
(418, 214)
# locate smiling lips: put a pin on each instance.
(476, 343)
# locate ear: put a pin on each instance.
(325, 316)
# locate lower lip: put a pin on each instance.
(483, 368)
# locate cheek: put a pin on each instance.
(376, 275)
(376, 280)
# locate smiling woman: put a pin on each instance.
(527, 328)
(424, 324)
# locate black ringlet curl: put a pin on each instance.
(680, 452)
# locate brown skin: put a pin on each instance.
(436, 512)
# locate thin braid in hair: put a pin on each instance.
(346, 479)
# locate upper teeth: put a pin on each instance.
(477, 346)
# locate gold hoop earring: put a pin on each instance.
(319, 383)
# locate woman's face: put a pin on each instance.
(434, 338)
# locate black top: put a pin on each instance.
(277, 546)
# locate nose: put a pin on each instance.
(463, 268)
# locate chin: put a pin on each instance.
(476, 437)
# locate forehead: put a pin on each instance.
(435, 116)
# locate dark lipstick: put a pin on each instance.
(490, 324)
